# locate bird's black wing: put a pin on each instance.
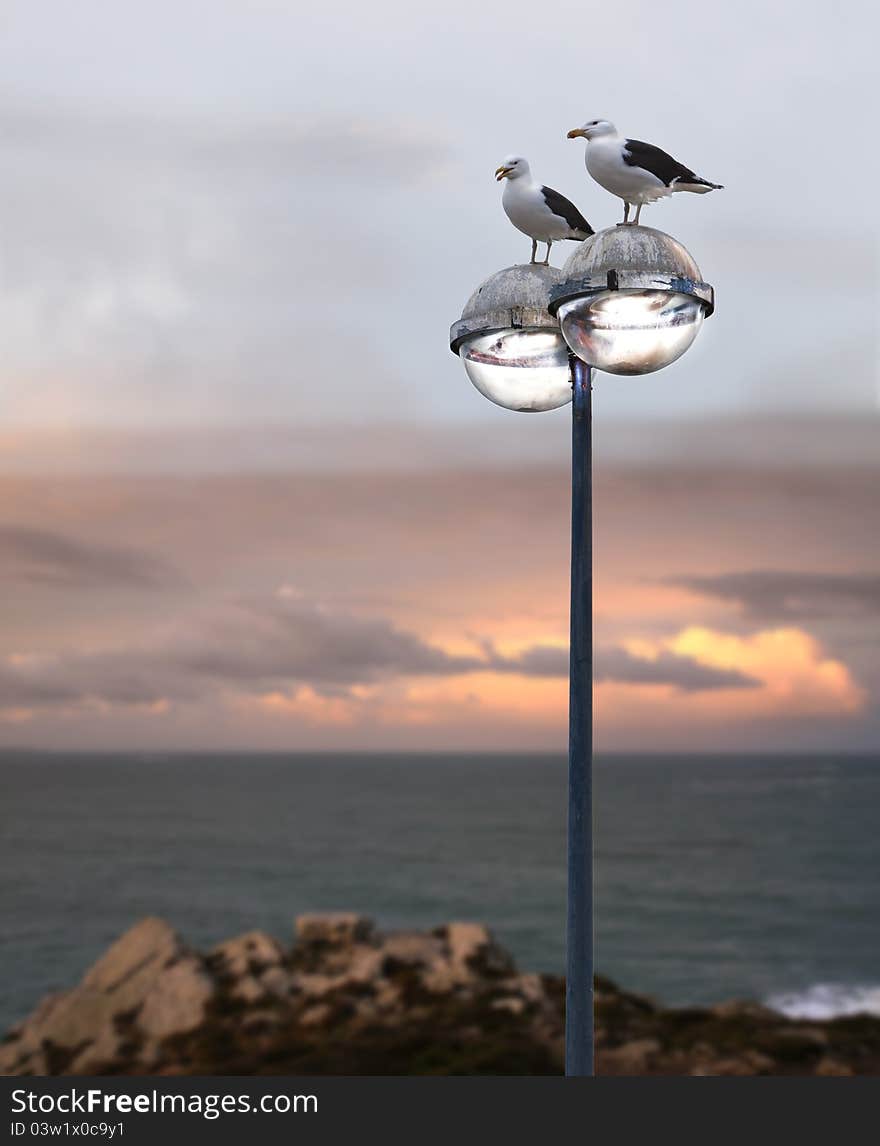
(658, 162)
(566, 210)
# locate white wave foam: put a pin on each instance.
(827, 1001)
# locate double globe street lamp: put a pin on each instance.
(630, 300)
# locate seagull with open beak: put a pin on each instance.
(538, 211)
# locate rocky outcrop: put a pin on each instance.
(146, 986)
(346, 999)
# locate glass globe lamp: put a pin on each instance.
(510, 344)
(632, 301)
(631, 331)
(519, 369)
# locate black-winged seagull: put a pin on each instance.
(637, 172)
(538, 211)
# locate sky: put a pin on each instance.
(248, 497)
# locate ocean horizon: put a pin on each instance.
(718, 876)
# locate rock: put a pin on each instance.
(132, 963)
(703, 1052)
(315, 1016)
(255, 964)
(630, 1058)
(79, 1025)
(100, 1053)
(76, 1019)
(248, 989)
(334, 929)
(472, 946)
(530, 987)
(734, 1066)
(261, 1021)
(459, 955)
(366, 1011)
(812, 1036)
(509, 1003)
(250, 953)
(413, 948)
(177, 1001)
(743, 1009)
(347, 1000)
(316, 986)
(443, 977)
(388, 996)
(710, 1062)
(829, 1067)
(794, 1043)
(326, 943)
(39, 1016)
(760, 1063)
(279, 982)
(27, 1036)
(428, 955)
(365, 965)
(14, 1060)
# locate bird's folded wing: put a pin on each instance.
(566, 210)
(658, 162)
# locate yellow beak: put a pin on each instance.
(575, 132)
(501, 173)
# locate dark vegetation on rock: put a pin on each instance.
(345, 999)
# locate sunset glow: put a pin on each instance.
(262, 610)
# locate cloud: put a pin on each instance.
(323, 145)
(803, 698)
(187, 265)
(199, 243)
(43, 556)
(429, 557)
(287, 638)
(681, 671)
(795, 674)
(779, 594)
(271, 646)
(615, 663)
(247, 647)
(832, 457)
(71, 680)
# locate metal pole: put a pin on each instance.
(579, 971)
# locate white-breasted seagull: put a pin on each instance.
(637, 172)
(538, 211)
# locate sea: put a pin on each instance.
(716, 876)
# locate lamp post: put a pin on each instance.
(630, 300)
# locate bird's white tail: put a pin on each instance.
(698, 186)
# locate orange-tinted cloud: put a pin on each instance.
(793, 677)
(795, 674)
(773, 674)
(471, 699)
(433, 611)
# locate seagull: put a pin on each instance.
(538, 211)
(637, 172)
